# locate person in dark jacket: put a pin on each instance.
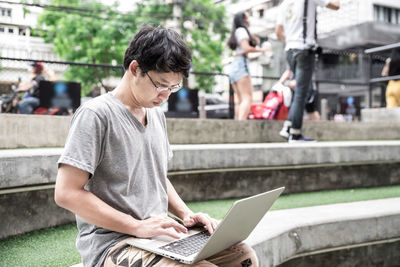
(31, 102)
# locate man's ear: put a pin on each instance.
(134, 68)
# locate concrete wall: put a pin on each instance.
(381, 114)
(32, 130)
(221, 184)
(203, 172)
(230, 131)
(20, 131)
(218, 168)
(384, 253)
(29, 209)
(25, 167)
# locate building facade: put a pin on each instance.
(18, 41)
(344, 35)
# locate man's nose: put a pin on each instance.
(165, 94)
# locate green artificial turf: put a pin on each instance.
(56, 246)
(218, 208)
(47, 248)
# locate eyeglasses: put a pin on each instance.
(161, 89)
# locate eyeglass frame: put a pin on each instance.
(161, 89)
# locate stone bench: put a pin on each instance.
(201, 172)
(22, 167)
(287, 237)
(289, 234)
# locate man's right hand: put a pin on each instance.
(158, 225)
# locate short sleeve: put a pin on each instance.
(241, 34)
(170, 154)
(280, 18)
(83, 147)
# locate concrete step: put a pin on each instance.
(203, 172)
(23, 131)
(286, 234)
(25, 209)
(25, 167)
(215, 156)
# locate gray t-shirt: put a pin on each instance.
(127, 163)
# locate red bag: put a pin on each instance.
(271, 109)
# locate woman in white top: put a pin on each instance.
(242, 42)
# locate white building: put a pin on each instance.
(16, 41)
(263, 14)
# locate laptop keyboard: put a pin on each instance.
(189, 245)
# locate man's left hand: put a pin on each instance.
(200, 219)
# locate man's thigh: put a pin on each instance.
(124, 255)
(240, 255)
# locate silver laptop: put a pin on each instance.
(197, 244)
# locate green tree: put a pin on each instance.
(206, 39)
(88, 32)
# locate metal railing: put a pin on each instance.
(365, 75)
(371, 80)
(13, 70)
(61, 66)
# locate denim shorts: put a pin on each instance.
(239, 68)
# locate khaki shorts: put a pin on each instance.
(125, 255)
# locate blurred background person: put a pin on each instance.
(31, 88)
(242, 42)
(296, 28)
(351, 111)
(287, 80)
(392, 68)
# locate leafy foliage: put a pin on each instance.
(206, 39)
(88, 37)
(90, 32)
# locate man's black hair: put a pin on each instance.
(159, 49)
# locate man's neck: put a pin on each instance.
(124, 94)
